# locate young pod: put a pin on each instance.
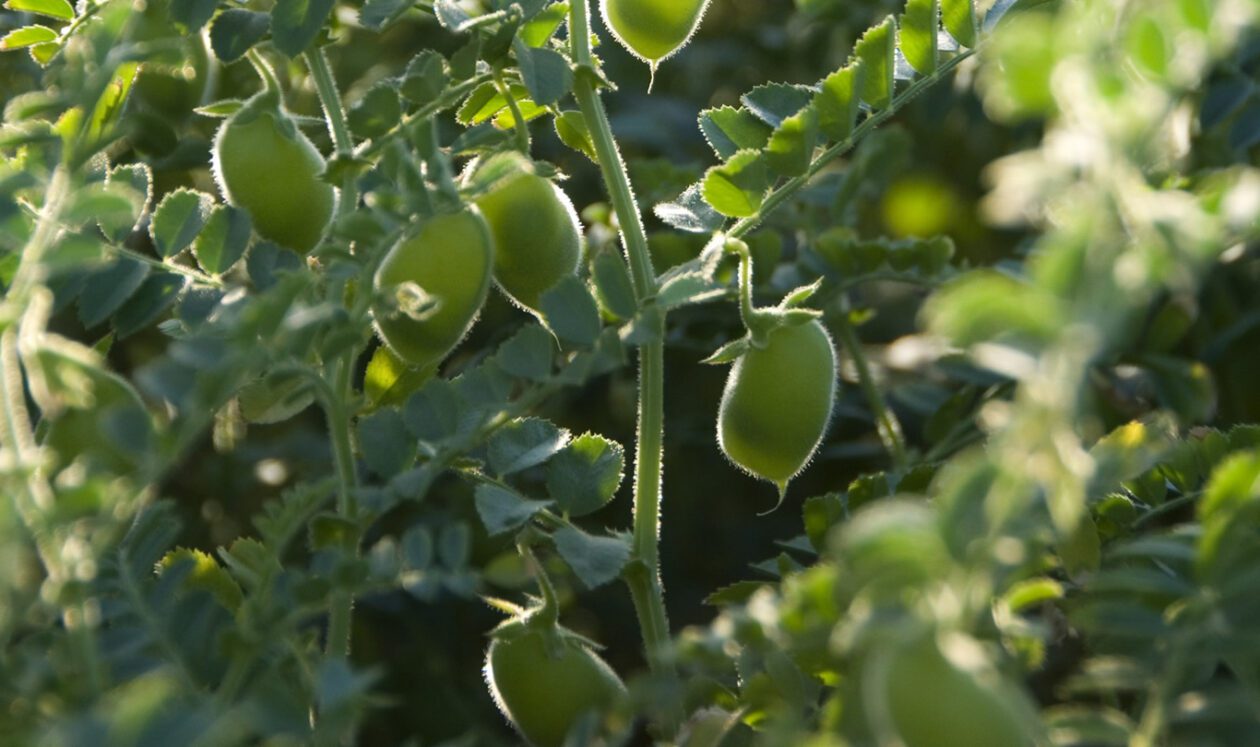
(544, 679)
(653, 30)
(265, 165)
(443, 273)
(777, 402)
(537, 236)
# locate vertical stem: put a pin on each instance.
(521, 128)
(886, 423)
(338, 128)
(643, 575)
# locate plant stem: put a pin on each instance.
(643, 574)
(448, 99)
(338, 128)
(521, 128)
(886, 423)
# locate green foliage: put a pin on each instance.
(261, 468)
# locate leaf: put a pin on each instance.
(115, 205)
(524, 443)
(178, 219)
(545, 72)
(595, 560)
(613, 287)
(235, 31)
(791, 147)
(389, 380)
(571, 312)
(542, 26)
(451, 15)
(223, 240)
(385, 443)
(502, 510)
(838, 101)
(687, 288)
(689, 212)
(572, 130)
(774, 102)
(425, 78)
(110, 289)
(736, 188)
(959, 19)
(136, 178)
(189, 15)
(876, 50)
(822, 512)
(27, 36)
(917, 34)
(378, 112)
(296, 23)
(59, 9)
(584, 476)
(377, 14)
(729, 130)
(155, 295)
(528, 354)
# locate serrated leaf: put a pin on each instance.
(425, 78)
(59, 9)
(774, 102)
(876, 49)
(117, 206)
(155, 295)
(377, 14)
(689, 212)
(959, 19)
(736, 188)
(235, 31)
(27, 36)
(110, 289)
(571, 312)
(545, 72)
(178, 219)
(137, 178)
(917, 34)
(687, 288)
(191, 15)
(585, 474)
(729, 130)
(502, 510)
(736, 593)
(524, 443)
(451, 15)
(378, 112)
(791, 147)
(572, 130)
(613, 287)
(389, 380)
(594, 560)
(838, 101)
(386, 445)
(296, 23)
(528, 354)
(542, 26)
(223, 240)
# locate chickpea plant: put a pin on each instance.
(1051, 536)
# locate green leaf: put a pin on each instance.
(451, 15)
(115, 205)
(585, 474)
(774, 102)
(59, 9)
(191, 15)
(736, 188)
(377, 14)
(689, 212)
(235, 31)
(543, 26)
(959, 18)
(389, 380)
(502, 510)
(822, 512)
(221, 109)
(729, 130)
(386, 445)
(528, 354)
(296, 23)
(155, 295)
(613, 287)
(571, 312)
(378, 112)
(791, 147)
(425, 78)
(917, 34)
(110, 289)
(178, 219)
(134, 178)
(572, 130)
(223, 240)
(524, 443)
(545, 72)
(595, 560)
(27, 36)
(838, 101)
(876, 50)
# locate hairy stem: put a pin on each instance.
(338, 127)
(643, 575)
(886, 423)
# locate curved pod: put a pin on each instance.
(450, 259)
(264, 165)
(537, 237)
(777, 403)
